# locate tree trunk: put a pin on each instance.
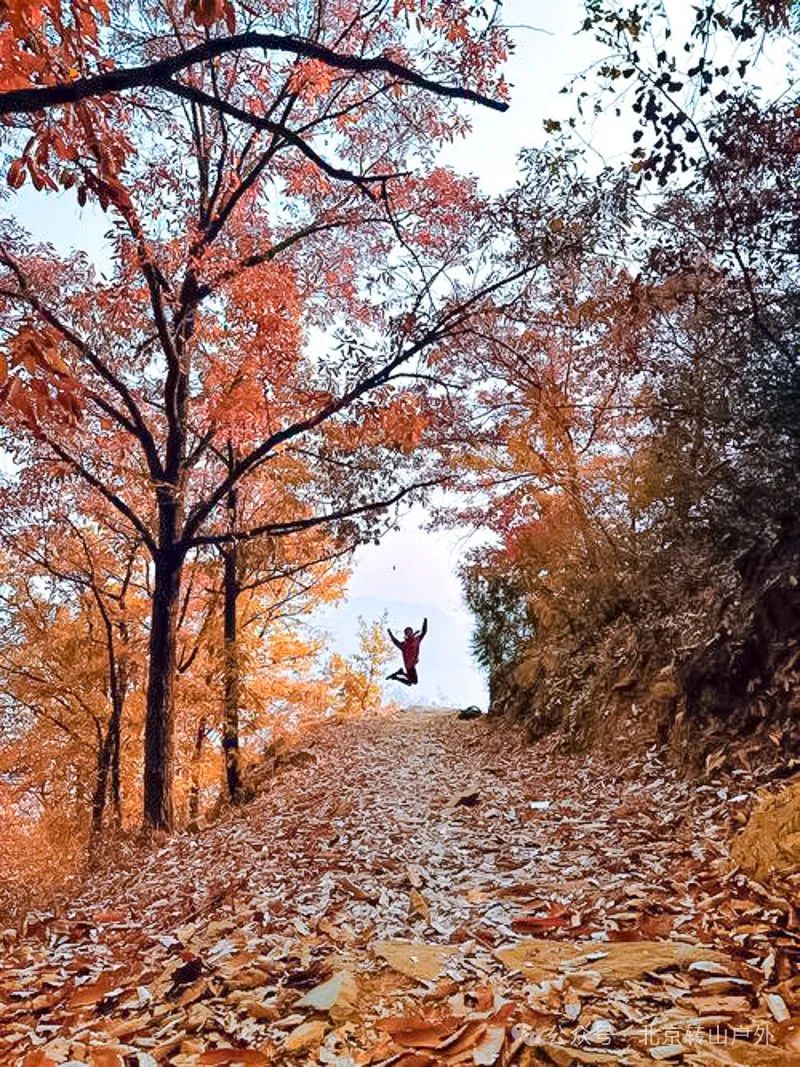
(194, 791)
(119, 693)
(159, 723)
(104, 757)
(114, 729)
(230, 722)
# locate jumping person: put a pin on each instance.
(409, 648)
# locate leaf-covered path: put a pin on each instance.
(420, 890)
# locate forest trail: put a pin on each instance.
(418, 890)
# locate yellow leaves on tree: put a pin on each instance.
(355, 682)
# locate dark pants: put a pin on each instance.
(407, 676)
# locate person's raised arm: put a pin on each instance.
(394, 639)
(424, 629)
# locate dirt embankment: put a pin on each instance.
(713, 674)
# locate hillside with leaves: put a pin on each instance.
(369, 911)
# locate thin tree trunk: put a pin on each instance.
(101, 785)
(159, 723)
(194, 791)
(114, 730)
(230, 722)
(119, 693)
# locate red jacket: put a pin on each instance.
(410, 650)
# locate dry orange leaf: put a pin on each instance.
(484, 998)
(92, 993)
(38, 1059)
(109, 916)
(101, 1057)
(234, 1055)
(415, 959)
(468, 1039)
(418, 905)
(421, 1032)
(529, 924)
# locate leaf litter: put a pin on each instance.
(425, 892)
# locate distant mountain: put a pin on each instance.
(448, 675)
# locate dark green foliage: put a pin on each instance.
(502, 622)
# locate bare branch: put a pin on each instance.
(282, 529)
(342, 174)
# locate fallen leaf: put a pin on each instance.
(422, 1032)
(489, 1049)
(188, 972)
(106, 1058)
(466, 799)
(568, 1056)
(415, 876)
(415, 959)
(777, 1006)
(305, 1036)
(338, 996)
(357, 892)
(418, 906)
(666, 1052)
(555, 918)
(713, 967)
(93, 992)
(233, 1055)
(717, 1005)
(466, 1040)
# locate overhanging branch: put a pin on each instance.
(161, 73)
